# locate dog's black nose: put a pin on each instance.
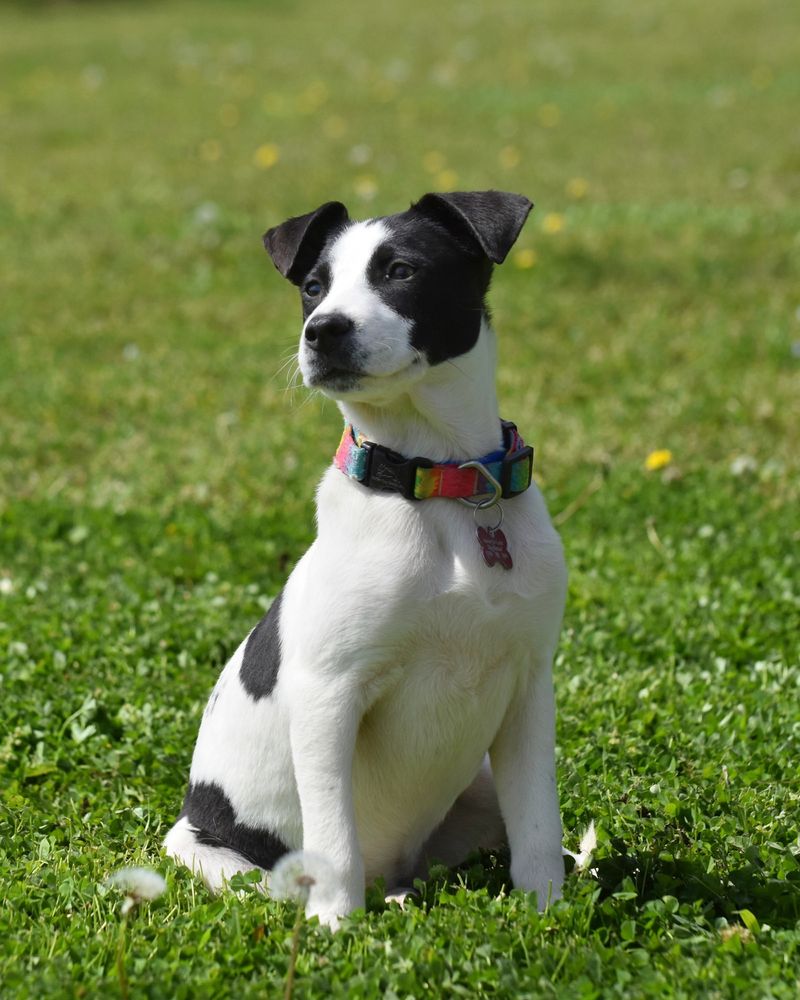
(324, 333)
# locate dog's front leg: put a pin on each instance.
(523, 763)
(325, 715)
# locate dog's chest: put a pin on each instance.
(417, 608)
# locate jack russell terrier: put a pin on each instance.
(395, 705)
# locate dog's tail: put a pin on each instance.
(585, 849)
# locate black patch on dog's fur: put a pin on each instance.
(451, 241)
(445, 298)
(262, 654)
(210, 814)
(485, 221)
(296, 244)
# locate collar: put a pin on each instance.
(380, 468)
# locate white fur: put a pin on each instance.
(381, 335)
(216, 865)
(404, 657)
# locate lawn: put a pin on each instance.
(157, 468)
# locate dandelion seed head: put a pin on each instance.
(138, 884)
(295, 874)
(743, 465)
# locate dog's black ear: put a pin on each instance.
(490, 219)
(295, 245)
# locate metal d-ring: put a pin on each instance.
(491, 501)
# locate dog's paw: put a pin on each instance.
(330, 909)
(327, 917)
(545, 880)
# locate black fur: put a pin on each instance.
(296, 244)
(451, 241)
(262, 654)
(210, 814)
(487, 221)
(445, 296)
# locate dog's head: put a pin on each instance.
(386, 299)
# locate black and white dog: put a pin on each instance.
(396, 704)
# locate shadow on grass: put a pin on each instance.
(644, 876)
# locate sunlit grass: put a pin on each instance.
(157, 464)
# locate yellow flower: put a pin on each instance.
(266, 156)
(549, 115)
(658, 459)
(365, 186)
(509, 157)
(210, 150)
(553, 222)
(447, 180)
(433, 161)
(577, 188)
(525, 258)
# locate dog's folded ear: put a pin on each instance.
(489, 221)
(296, 244)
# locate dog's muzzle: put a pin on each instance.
(328, 334)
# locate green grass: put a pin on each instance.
(156, 479)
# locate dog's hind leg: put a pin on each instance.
(215, 863)
(474, 820)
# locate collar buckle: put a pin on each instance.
(388, 470)
(495, 485)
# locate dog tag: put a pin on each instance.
(494, 546)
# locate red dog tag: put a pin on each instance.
(494, 546)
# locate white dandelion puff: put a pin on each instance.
(296, 873)
(743, 465)
(137, 884)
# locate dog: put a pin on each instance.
(395, 705)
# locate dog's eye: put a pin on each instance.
(312, 288)
(399, 271)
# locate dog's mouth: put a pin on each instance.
(337, 380)
(330, 377)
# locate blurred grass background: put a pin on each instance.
(157, 475)
(149, 145)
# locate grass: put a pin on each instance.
(156, 478)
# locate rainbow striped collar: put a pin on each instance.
(379, 468)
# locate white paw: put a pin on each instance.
(545, 881)
(327, 917)
(329, 909)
